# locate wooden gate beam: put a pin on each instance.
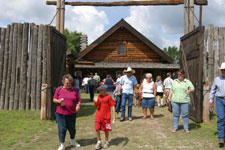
(129, 3)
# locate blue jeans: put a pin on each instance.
(118, 103)
(66, 122)
(86, 88)
(183, 109)
(126, 97)
(220, 111)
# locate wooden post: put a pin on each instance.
(186, 21)
(58, 8)
(62, 16)
(44, 54)
(2, 52)
(49, 77)
(18, 69)
(13, 73)
(5, 68)
(221, 46)
(216, 52)
(6, 106)
(34, 68)
(29, 71)
(39, 66)
(191, 15)
(200, 15)
(23, 74)
(206, 87)
(43, 102)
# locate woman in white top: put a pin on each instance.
(160, 87)
(148, 89)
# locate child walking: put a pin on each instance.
(104, 102)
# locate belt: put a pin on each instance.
(148, 92)
(222, 97)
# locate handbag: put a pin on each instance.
(169, 105)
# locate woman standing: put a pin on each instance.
(110, 84)
(181, 88)
(68, 102)
(159, 86)
(148, 89)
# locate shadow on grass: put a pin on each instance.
(87, 142)
(117, 141)
(86, 110)
(192, 126)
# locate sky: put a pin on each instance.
(163, 25)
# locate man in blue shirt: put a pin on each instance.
(128, 82)
(218, 91)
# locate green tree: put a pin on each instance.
(73, 40)
(174, 53)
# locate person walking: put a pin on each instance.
(128, 82)
(92, 84)
(116, 94)
(104, 103)
(148, 89)
(97, 77)
(110, 84)
(180, 99)
(68, 103)
(168, 84)
(85, 81)
(159, 96)
(218, 91)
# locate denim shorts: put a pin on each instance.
(148, 102)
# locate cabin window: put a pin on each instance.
(122, 49)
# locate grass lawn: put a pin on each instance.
(23, 130)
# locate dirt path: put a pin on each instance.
(138, 134)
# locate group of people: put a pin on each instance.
(178, 94)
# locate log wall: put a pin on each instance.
(136, 51)
(24, 51)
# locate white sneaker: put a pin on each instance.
(98, 146)
(61, 147)
(74, 143)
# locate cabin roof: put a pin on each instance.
(123, 24)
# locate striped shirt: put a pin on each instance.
(218, 88)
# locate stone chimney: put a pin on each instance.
(83, 41)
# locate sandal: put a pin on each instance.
(187, 131)
(174, 131)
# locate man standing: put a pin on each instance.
(129, 83)
(97, 77)
(168, 84)
(92, 84)
(218, 91)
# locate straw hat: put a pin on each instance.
(129, 69)
(222, 66)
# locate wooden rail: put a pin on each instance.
(129, 3)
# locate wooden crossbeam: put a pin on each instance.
(129, 3)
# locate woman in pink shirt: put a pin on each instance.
(68, 102)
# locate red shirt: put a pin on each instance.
(71, 97)
(104, 103)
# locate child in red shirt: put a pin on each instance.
(104, 102)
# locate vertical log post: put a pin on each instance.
(39, 66)
(34, 68)
(2, 52)
(29, 71)
(13, 73)
(191, 15)
(205, 113)
(62, 16)
(58, 8)
(23, 74)
(7, 92)
(18, 69)
(5, 68)
(43, 102)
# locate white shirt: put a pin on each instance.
(148, 90)
(168, 83)
(85, 80)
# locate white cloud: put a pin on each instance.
(26, 10)
(88, 20)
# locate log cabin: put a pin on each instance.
(120, 47)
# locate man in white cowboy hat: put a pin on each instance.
(218, 91)
(128, 82)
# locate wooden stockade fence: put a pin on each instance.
(26, 63)
(203, 51)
